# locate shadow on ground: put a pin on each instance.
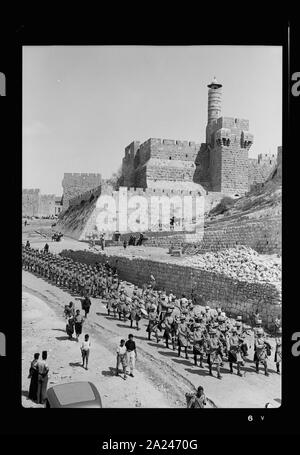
(110, 372)
(65, 338)
(75, 364)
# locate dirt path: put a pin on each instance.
(161, 379)
(43, 329)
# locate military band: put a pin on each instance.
(210, 335)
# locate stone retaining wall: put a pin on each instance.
(264, 236)
(235, 297)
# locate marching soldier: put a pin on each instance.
(183, 333)
(152, 320)
(234, 352)
(214, 352)
(169, 323)
(198, 343)
(136, 314)
(260, 351)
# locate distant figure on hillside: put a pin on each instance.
(125, 244)
(46, 248)
(27, 244)
(25, 223)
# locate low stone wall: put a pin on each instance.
(235, 297)
(264, 236)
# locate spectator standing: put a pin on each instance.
(121, 358)
(33, 375)
(43, 371)
(131, 353)
(78, 321)
(85, 350)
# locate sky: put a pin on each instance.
(82, 105)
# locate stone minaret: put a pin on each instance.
(214, 107)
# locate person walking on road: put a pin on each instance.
(85, 350)
(78, 320)
(43, 371)
(70, 327)
(121, 358)
(131, 353)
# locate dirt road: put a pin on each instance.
(161, 378)
(43, 329)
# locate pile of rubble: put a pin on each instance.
(242, 263)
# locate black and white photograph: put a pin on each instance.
(151, 226)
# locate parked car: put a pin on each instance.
(81, 394)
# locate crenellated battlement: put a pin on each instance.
(159, 141)
(31, 191)
(267, 158)
(81, 175)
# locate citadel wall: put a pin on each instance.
(75, 184)
(30, 202)
(47, 205)
(159, 159)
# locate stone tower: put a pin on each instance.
(214, 106)
(228, 141)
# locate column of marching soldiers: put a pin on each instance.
(211, 334)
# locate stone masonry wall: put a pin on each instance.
(259, 170)
(30, 202)
(235, 297)
(85, 211)
(95, 192)
(264, 236)
(234, 170)
(36, 204)
(76, 184)
(159, 159)
(47, 205)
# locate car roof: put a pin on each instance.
(73, 393)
